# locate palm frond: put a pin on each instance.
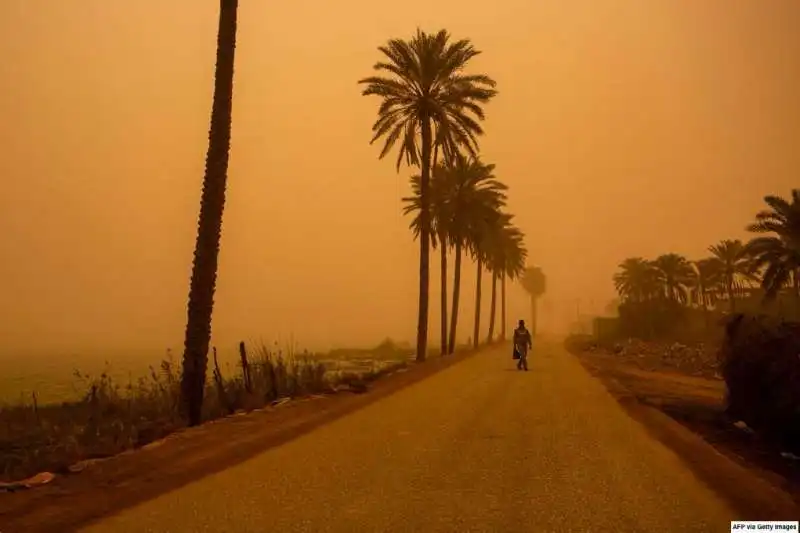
(423, 77)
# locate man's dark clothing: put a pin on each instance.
(522, 343)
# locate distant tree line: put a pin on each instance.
(762, 275)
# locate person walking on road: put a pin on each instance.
(522, 343)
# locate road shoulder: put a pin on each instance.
(754, 492)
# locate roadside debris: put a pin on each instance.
(42, 478)
(696, 359)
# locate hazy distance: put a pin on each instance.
(622, 127)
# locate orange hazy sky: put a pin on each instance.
(623, 127)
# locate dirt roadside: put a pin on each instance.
(70, 502)
(686, 413)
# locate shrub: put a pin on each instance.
(760, 362)
(577, 343)
(651, 319)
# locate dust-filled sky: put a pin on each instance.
(623, 127)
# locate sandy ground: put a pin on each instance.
(760, 481)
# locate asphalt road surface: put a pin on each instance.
(479, 446)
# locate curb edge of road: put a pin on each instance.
(746, 491)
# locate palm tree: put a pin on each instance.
(427, 98)
(478, 255)
(475, 195)
(778, 255)
(783, 218)
(639, 286)
(705, 282)
(441, 212)
(492, 300)
(440, 224)
(636, 281)
(733, 265)
(512, 262)
(212, 203)
(675, 274)
(480, 247)
(504, 241)
(534, 283)
(462, 194)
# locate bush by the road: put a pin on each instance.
(760, 362)
(576, 343)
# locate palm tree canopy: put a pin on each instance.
(505, 249)
(439, 203)
(483, 229)
(476, 197)
(534, 281)
(732, 262)
(513, 253)
(423, 78)
(637, 280)
(777, 256)
(778, 260)
(465, 196)
(783, 218)
(675, 274)
(706, 281)
(729, 251)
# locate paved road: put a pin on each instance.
(477, 447)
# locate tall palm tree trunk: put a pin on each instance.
(731, 297)
(534, 315)
(424, 238)
(451, 341)
(493, 307)
(212, 203)
(503, 307)
(443, 264)
(477, 329)
(796, 285)
(704, 304)
(443, 252)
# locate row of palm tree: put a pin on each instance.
(467, 217)
(431, 110)
(768, 264)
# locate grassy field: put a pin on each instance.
(57, 414)
(65, 377)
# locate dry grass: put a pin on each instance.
(113, 417)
